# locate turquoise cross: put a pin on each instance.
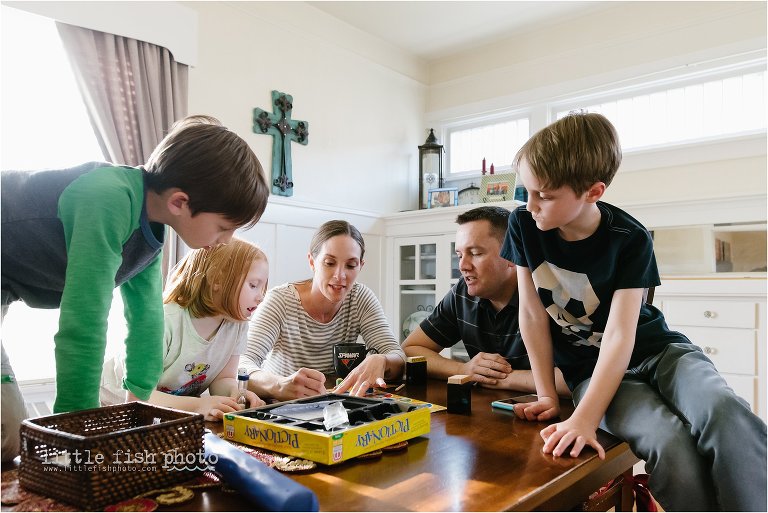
(279, 124)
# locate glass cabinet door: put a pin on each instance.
(426, 268)
(455, 271)
(416, 303)
(418, 262)
(417, 284)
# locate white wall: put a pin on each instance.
(365, 119)
(602, 49)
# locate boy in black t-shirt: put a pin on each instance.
(582, 267)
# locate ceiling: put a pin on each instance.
(435, 29)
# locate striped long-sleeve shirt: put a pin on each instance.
(282, 336)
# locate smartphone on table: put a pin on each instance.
(509, 403)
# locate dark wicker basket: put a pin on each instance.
(90, 458)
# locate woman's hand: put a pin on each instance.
(487, 368)
(544, 409)
(572, 432)
(368, 374)
(302, 383)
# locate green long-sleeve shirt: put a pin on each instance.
(68, 238)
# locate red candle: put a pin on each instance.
(491, 168)
(483, 165)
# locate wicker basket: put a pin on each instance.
(93, 458)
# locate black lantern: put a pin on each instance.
(430, 167)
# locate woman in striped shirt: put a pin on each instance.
(291, 335)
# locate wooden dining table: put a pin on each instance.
(488, 460)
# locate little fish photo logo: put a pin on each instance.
(188, 461)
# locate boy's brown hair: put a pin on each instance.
(577, 150)
(207, 282)
(214, 166)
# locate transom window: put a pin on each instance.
(716, 108)
(496, 142)
(707, 105)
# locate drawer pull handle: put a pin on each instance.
(710, 350)
(709, 314)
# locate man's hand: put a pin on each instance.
(487, 368)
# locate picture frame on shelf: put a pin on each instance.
(443, 197)
(498, 187)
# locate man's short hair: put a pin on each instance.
(498, 217)
(577, 151)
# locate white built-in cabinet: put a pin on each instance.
(425, 268)
(726, 317)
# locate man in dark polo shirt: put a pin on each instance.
(480, 310)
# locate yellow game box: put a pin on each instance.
(296, 427)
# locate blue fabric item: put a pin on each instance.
(262, 486)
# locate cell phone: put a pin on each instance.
(509, 403)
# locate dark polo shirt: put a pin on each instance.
(461, 317)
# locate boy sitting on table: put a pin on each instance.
(582, 265)
(480, 310)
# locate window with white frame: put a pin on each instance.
(44, 125)
(496, 142)
(687, 111)
(711, 104)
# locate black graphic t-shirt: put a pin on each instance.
(575, 281)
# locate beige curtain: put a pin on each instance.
(134, 91)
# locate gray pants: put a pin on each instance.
(704, 448)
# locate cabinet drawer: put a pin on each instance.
(744, 387)
(731, 350)
(724, 314)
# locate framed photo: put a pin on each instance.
(499, 187)
(443, 197)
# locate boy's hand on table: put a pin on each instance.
(572, 432)
(544, 409)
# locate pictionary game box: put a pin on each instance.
(297, 427)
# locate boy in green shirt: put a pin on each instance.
(70, 236)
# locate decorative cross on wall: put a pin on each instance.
(279, 124)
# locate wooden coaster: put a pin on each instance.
(370, 455)
(175, 495)
(295, 465)
(399, 446)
